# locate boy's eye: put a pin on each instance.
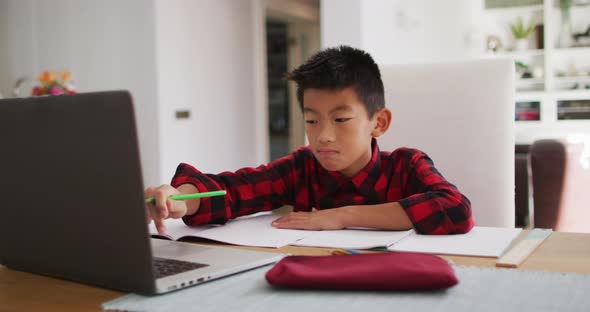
(311, 121)
(342, 119)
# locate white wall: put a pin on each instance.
(400, 31)
(340, 23)
(206, 64)
(420, 31)
(105, 44)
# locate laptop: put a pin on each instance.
(73, 201)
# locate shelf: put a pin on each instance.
(575, 6)
(572, 94)
(572, 50)
(572, 85)
(519, 54)
(529, 81)
(517, 9)
(572, 79)
(545, 106)
(528, 95)
(530, 85)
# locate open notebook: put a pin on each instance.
(255, 230)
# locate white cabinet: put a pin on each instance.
(553, 93)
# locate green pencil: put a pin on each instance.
(190, 196)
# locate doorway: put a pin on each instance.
(278, 88)
(292, 36)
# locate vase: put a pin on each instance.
(522, 44)
(565, 39)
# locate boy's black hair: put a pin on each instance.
(339, 68)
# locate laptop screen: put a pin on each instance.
(72, 189)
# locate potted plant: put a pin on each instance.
(521, 33)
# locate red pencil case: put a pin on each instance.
(399, 271)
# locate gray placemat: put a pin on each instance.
(479, 289)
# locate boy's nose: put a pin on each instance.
(326, 135)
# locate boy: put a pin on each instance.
(341, 179)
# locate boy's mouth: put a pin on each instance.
(326, 151)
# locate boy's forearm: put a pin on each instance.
(192, 205)
(388, 216)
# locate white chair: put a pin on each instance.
(462, 116)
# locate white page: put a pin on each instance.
(480, 241)
(176, 228)
(352, 239)
(254, 231)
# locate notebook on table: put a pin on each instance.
(255, 230)
(73, 201)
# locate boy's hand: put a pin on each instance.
(314, 220)
(164, 207)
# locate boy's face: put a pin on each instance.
(338, 129)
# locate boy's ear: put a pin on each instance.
(382, 120)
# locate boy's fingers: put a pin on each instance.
(291, 225)
(279, 220)
(160, 226)
(292, 217)
(148, 192)
(153, 212)
(284, 219)
(161, 204)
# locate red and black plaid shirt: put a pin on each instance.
(407, 176)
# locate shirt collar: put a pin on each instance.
(363, 181)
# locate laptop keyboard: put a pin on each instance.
(165, 267)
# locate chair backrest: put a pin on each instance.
(560, 171)
(548, 159)
(574, 214)
(462, 116)
(521, 188)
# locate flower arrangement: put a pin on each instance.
(53, 83)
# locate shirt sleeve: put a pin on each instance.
(434, 205)
(249, 190)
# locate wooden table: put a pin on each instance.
(19, 291)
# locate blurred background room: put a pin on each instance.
(207, 75)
